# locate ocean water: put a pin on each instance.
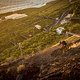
(13, 5)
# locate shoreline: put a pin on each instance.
(14, 8)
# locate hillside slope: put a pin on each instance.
(23, 31)
(28, 53)
(32, 40)
(50, 64)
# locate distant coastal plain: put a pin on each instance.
(14, 5)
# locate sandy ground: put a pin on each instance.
(15, 16)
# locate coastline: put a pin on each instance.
(14, 8)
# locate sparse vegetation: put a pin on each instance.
(13, 32)
(20, 39)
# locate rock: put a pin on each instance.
(30, 35)
(38, 27)
(64, 21)
(59, 30)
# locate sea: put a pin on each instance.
(13, 5)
